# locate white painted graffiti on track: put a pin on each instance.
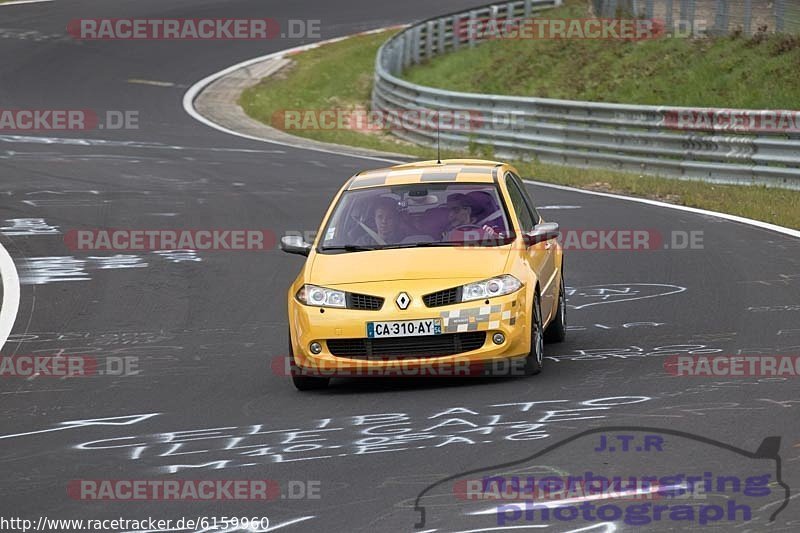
(179, 256)
(627, 325)
(618, 292)
(774, 308)
(18, 227)
(599, 354)
(356, 435)
(43, 270)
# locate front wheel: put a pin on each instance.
(533, 363)
(304, 383)
(557, 330)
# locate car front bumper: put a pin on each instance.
(332, 328)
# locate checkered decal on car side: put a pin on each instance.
(447, 173)
(480, 318)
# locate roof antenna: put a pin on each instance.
(438, 144)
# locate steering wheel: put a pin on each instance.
(464, 227)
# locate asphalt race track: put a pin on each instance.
(204, 328)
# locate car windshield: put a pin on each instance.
(419, 214)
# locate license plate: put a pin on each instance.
(404, 328)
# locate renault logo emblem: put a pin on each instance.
(402, 300)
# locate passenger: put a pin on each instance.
(460, 211)
(463, 217)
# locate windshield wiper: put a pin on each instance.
(350, 248)
(426, 244)
(492, 242)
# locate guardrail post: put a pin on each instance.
(397, 52)
(440, 45)
(456, 31)
(670, 24)
(471, 24)
(748, 17)
(416, 37)
(527, 9)
(429, 39)
(649, 9)
(407, 38)
(721, 18)
(780, 15)
(510, 10)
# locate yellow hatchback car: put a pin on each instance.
(423, 267)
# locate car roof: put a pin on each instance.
(448, 170)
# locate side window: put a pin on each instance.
(524, 214)
(527, 197)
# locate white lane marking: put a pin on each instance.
(71, 424)
(10, 305)
(154, 83)
(569, 501)
(502, 528)
(28, 139)
(251, 528)
(734, 218)
(539, 208)
(190, 96)
(609, 527)
(20, 2)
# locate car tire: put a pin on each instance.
(557, 330)
(304, 383)
(533, 363)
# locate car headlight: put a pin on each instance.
(489, 288)
(321, 296)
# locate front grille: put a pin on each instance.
(423, 346)
(445, 297)
(364, 302)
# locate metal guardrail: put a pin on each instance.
(718, 17)
(644, 139)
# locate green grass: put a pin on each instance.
(738, 72)
(340, 75)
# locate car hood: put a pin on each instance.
(409, 263)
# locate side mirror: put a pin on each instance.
(541, 232)
(294, 244)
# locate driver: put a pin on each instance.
(387, 224)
